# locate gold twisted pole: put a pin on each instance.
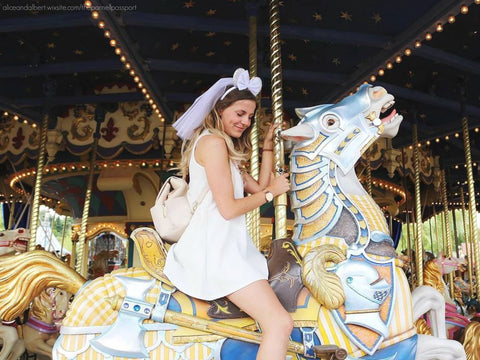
(253, 217)
(12, 214)
(418, 210)
(369, 175)
(38, 184)
(472, 206)
(466, 229)
(81, 264)
(409, 243)
(448, 233)
(436, 229)
(277, 113)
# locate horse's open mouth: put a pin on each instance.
(388, 113)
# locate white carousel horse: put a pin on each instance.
(363, 291)
(14, 240)
(12, 346)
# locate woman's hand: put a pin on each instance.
(269, 136)
(279, 184)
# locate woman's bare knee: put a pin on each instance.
(280, 322)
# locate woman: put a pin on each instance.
(215, 256)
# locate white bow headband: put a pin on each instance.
(196, 113)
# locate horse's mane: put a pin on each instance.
(432, 276)
(24, 276)
(471, 340)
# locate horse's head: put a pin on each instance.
(447, 264)
(51, 305)
(15, 240)
(343, 131)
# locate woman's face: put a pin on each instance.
(237, 117)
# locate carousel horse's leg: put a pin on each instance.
(12, 347)
(427, 299)
(433, 348)
(37, 342)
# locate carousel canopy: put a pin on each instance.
(146, 61)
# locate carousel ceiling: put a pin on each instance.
(59, 55)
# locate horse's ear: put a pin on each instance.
(300, 132)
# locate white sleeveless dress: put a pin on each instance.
(214, 257)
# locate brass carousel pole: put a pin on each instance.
(81, 263)
(407, 214)
(448, 235)
(468, 248)
(369, 174)
(437, 237)
(418, 211)
(253, 217)
(11, 216)
(35, 207)
(472, 206)
(277, 112)
(454, 220)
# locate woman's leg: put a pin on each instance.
(260, 302)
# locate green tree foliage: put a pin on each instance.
(434, 233)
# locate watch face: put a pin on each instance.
(269, 196)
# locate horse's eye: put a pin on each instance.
(331, 122)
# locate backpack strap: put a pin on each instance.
(200, 198)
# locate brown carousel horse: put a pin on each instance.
(48, 295)
(39, 332)
(12, 241)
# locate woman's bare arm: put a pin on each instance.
(211, 152)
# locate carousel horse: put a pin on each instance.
(350, 265)
(12, 347)
(356, 301)
(39, 332)
(14, 240)
(99, 266)
(456, 323)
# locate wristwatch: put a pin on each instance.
(268, 196)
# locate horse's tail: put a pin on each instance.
(325, 286)
(24, 276)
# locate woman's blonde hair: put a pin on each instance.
(239, 149)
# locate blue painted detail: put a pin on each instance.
(378, 236)
(308, 342)
(174, 305)
(235, 350)
(404, 350)
(300, 335)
